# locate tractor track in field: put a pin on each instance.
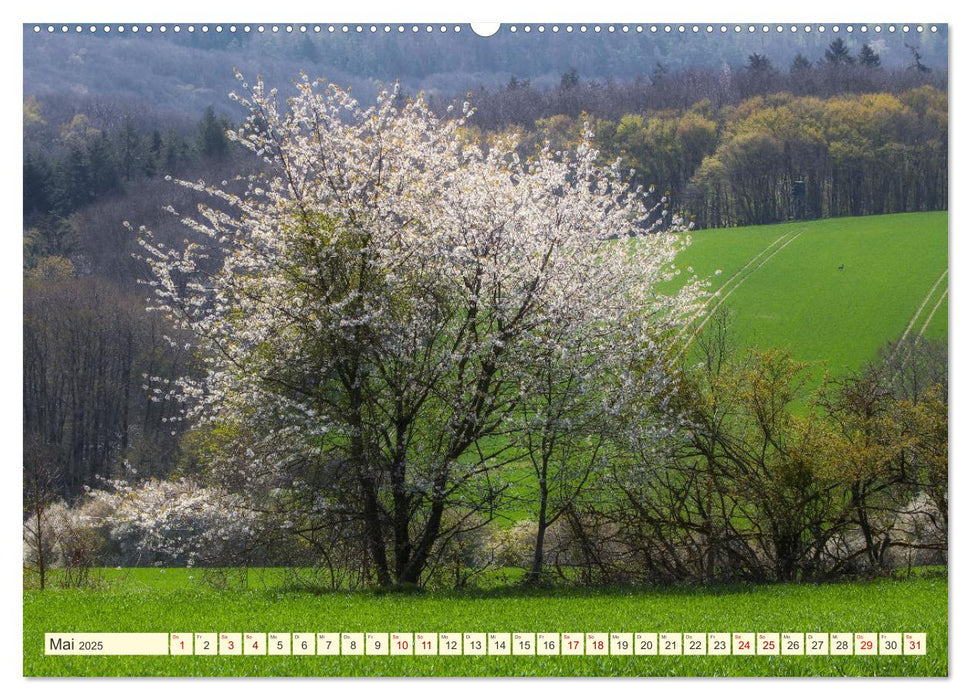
(789, 237)
(930, 317)
(914, 318)
(727, 284)
(920, 309)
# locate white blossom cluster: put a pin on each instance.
(174, 521)
(154, 522)
(391, 287)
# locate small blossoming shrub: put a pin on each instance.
(173, 523)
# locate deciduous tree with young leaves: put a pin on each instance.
(378, 307)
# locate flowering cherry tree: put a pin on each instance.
(378, 307)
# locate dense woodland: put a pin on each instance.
(90, 347)
(815, 136)
(764, 143)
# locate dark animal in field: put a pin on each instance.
(841, 268)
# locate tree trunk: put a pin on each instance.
(402, 517)
(536, 570)
(41, 555)
(375, 539)
(412, 571)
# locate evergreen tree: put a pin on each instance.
(800, 64)
(72, 188)
(154, 156)
(129, 143)
(104, 176)
(37, 185)
(659, 73)
(838, 53)
(869, 57)
(155, 147)
(917, 65)
(758, 63)
(174, 151)
(211, 138)
(517, 84)
(570, 79)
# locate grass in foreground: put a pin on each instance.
(151, 601)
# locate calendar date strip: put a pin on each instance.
(485, 644)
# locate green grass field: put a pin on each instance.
(784, 287)
(148, 600)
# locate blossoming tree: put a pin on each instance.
(380, 305)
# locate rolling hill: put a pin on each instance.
(832, 291)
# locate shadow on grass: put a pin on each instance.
(561, 589)
(285, 582)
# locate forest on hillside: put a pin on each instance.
(183, 71)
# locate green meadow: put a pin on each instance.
(832, 291)
(179, 600)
